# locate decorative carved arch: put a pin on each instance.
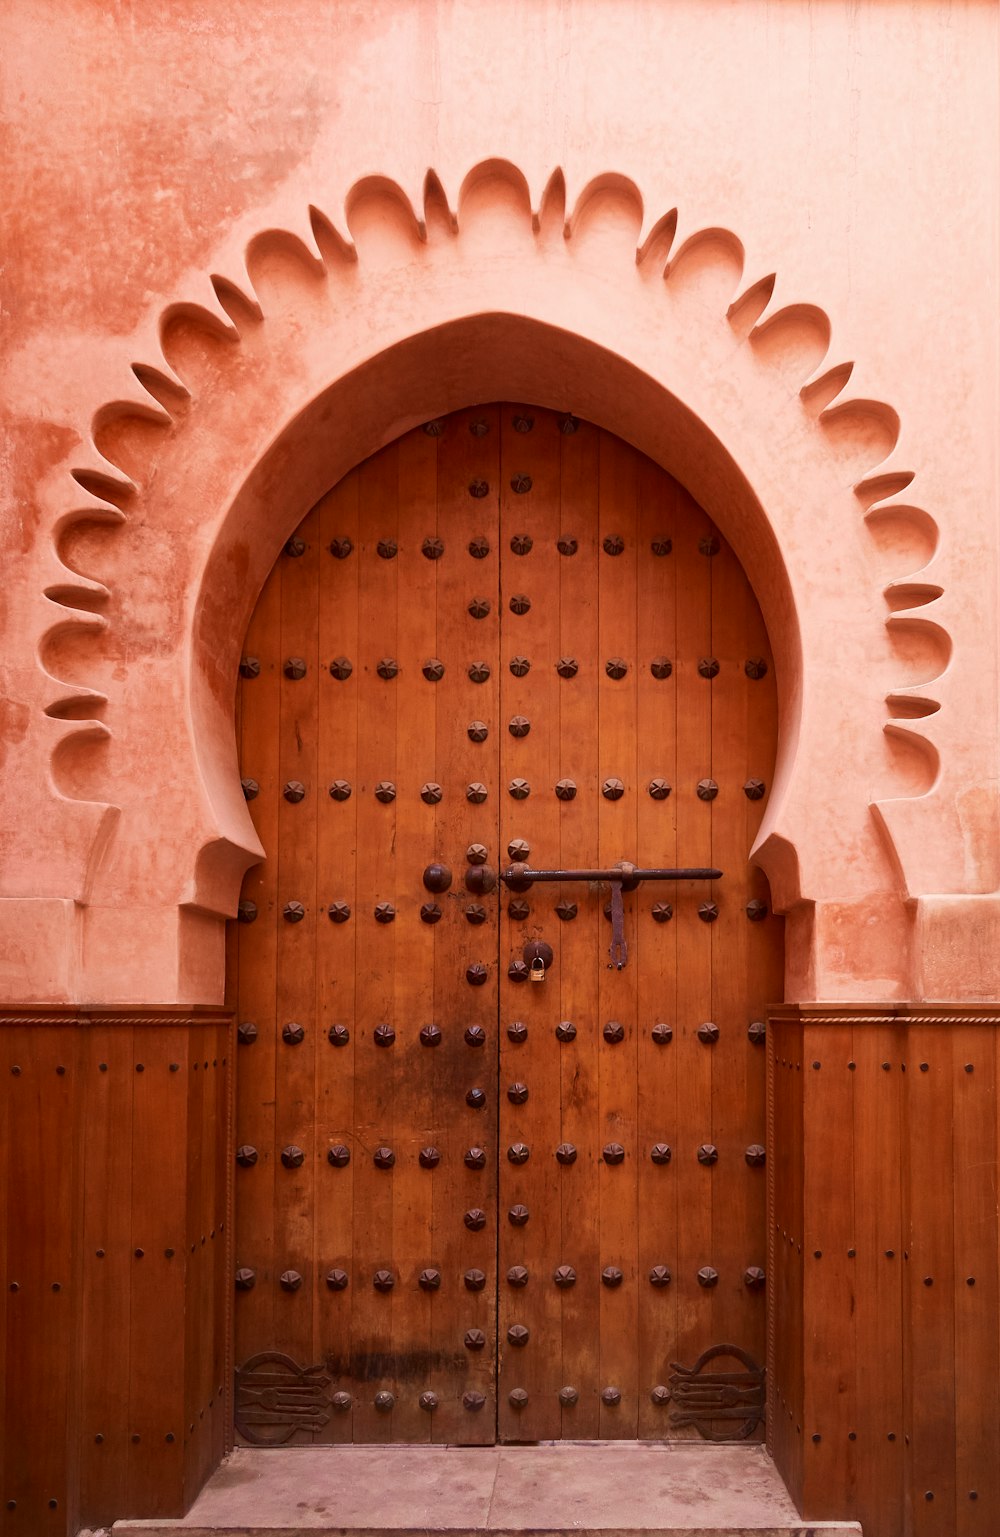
(338, 337)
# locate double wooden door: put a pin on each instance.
(471, 1205)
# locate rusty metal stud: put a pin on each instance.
(430, 1035)
(521, 544)
(517, 1398)
(429, 1280)
(475, 1099)
(294, 668)
(435, 428)
(384, 912)
(755, 1155)
(756, 910)
(384, 1402)
(520, 484)
(567, 667)
(383, 1035)
(616, 667)
(476, 975)
(567, 546)
(613, 544)
(520, 666)
(294, 791)
(437, 877)
(708, 911)
(754, 1278)
(612, 789)
(662, 912)
(611, 1396)
(430, 912)
(708, 667)
(755, 668)
(613, 1152)
(475, 1339)
(566, 1153)
(613, 1032)
(383, 1280)
(473, 1400)
(660, 1276)
(292, 1157)
(388, 549)
(518, 1335)
(249, 667)
(474, 1280)
(340, 790)
(479, 547)
(661, 667)
(661, 545)
(708, 1154)
(518, 849)
(754, 789)
(338, 1035)
(246, 1156)
(479, 489)
(611, 1276)
(479, 672)
(432, 547)
(292, 1034)
(387, 667)
(568, 1396)
(564, 1276)
(519, 725)
(475, 1035)
(246, 912)
(290, 1280)
(250, 788)
(659, 789)
(245, 1279)
(385, 791)
(428, 1402)
(479, 427)
(518, 1152)
(475, 1219)
(520, 603)
(341, 548)
(384, 1158)
(519, 789)
(475, 1158)
(475, 914)
(517, 1093)
(523, 423)
(430, 793)
(708, 1276)
(569, 424)
(479, 607)
(293, 912)
(708, 1033)
(341, 668)
(662, 1033)
(517, 1031)
(518, 1215)
(660, 1395)
(246, 1033)
(338, 1156)
(477, 853)
(517, 1275)
(708, 546)
(429, 1157)
(757, 1032)
(341, 1401)
(566, 1030)
(565, 789)
(566, 910)
(433, 669)
(660, 1152)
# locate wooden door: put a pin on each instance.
(468, 1204)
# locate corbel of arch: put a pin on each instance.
(344, 332)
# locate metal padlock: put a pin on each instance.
(537, 972)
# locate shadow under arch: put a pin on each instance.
(467, 361)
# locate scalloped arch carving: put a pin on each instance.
(345, 331)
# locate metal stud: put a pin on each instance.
(430, 793)
(384, 1402)
(612, 789)
(294, 668)
(385, 791)
(708, 1154)
(383, 1035)
(338, 1035)
(475, 1219)
(566, 789)
(431, 1035)
(517, 1275)
(433, 669)
(479, 672)
(388, 549)
(479, 427)
(566, 910)
(519, 789)
(566, 1030)
(706, 789)
(341, 668)
(517, 1031)
(708, 1033)
(616, 667)
(566, 1153)
(520, 603)
(517, 1398)
(613, 1032)
(518, 1215)
(611, 1397)
(435, 428)
(521, 544)
(293, 912)
(290, 1280)
(341, 548)
(661, 667)
(475, 1158)
(659, 789)
(340, 790)
(479, 547)
(384, 912)
(429, 1280)
(475, 914)
(387, 667)
(518, 849)
(613, 1152)
(428, 1402)
(384, 1158)
(754, 789)
(611, 1276)
(517, 1093)
(477, 853)
(662, 912)
(338, 912)
(754, 1278)
(474, 1280)
(708, 667)
(292, 1157)
(660, 1153)
(475, 1099)
(249, 667)
(481, 879)
(708, 911)
(755, 668)
(338, 1156)
(473, 1400)
(292, 1034)
(294, 791)
(430, 913)
(476, 975)
(567, 667)
(755, 1155)
(659, 1276)
(519, 725)
(338, 1280)
(662, 1033)
(432, 547)
(383, 1280)
(756, 910)
(479, 489)
(518, 1335)
(520, 484)
(660, 1395)
(757, 1032)
(475, 1035)
(246, 1033)
(520, 666)
(523, 423)
(246, 1279)
(246, 1156)
(475, 1339)
(250, 788)
(429, 1157)
(661, 545)
(708, 546)
(708, 1277)
(568, 1396)
(613, 544)
(566, 546)
(479, 607)
(564, 1276)
(246, 912)
(518, 1152)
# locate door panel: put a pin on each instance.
(392, 1292)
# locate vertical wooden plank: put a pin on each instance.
(785, 1250)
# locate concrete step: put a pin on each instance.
(603, 1489)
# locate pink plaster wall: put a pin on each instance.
(850, 150)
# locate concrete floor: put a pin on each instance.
(611, 1488)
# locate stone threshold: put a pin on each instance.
(609, 1488)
